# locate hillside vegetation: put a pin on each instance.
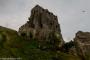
(14, 46)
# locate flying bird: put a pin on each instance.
(83, 11)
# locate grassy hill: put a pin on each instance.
(14, 46)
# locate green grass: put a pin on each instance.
(13, 45)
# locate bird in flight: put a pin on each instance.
(83, 11)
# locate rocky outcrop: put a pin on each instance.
(82, 43)
(43, 25)
(41, 39)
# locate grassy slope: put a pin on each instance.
(12, 45)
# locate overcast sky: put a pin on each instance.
(73, 15)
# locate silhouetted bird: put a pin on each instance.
(83, 11)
